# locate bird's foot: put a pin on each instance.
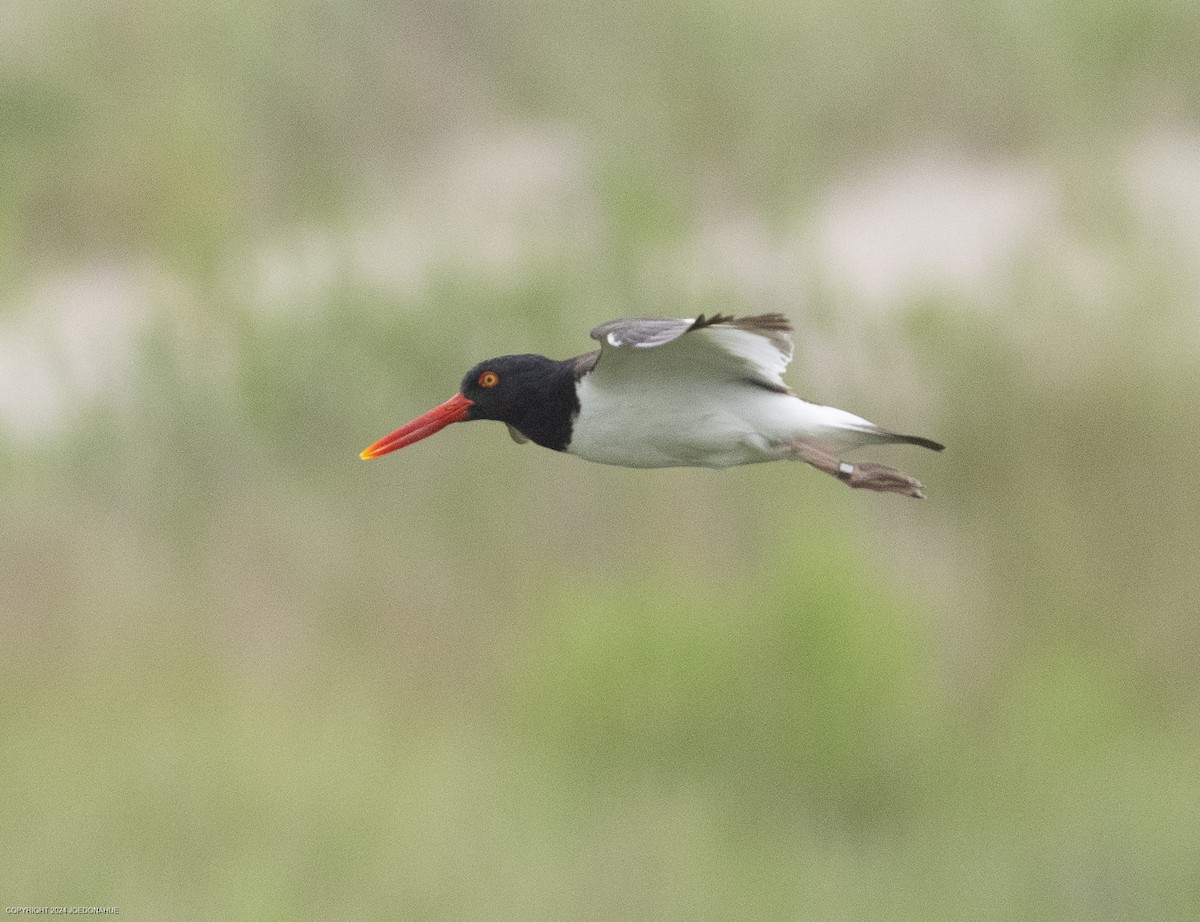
(865, 475)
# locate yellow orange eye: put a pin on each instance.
(489, 379)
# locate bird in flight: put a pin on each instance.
(694, 392)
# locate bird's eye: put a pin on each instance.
(489, 379)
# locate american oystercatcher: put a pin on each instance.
(696, 392)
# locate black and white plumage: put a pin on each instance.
(695, 392)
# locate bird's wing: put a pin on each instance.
(754, 349)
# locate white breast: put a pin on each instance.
(693, 424)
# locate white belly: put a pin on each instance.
(716, 424)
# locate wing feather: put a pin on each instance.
(643, 333)
(756, 349)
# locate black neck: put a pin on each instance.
(548, 409)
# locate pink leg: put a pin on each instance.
(864, 475)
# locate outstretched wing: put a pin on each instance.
(755, 349)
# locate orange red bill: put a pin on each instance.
(453, 410)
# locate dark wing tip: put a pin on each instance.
(757, 323)
(773, 322)
(642, 326)
(701, 322)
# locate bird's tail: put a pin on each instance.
(876, 436)
(843, 431)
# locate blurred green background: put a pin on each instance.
(244, 675)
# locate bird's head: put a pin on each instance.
(502, 388)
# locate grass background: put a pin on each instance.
(245, 676)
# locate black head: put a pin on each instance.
(503, 388)
(532, 393)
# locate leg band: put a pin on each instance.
(845, 471)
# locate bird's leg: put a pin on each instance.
(864, 475)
